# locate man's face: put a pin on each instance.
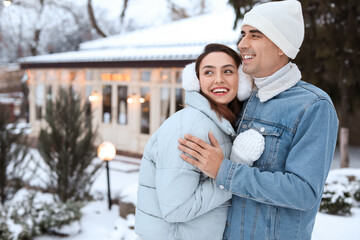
(261, 57)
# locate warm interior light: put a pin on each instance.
(7, 3)
(130, 100)
(106, 151)
(141, 100)
(164, 77)
(94, 97)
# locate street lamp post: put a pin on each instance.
(106, 152)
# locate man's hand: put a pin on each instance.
(209, 157)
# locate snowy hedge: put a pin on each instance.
(341, 192)
(36, 214)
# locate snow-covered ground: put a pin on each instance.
(100, 223)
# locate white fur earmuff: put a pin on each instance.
(190, 82)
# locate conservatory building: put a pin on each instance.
(131, 82)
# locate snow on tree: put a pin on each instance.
(13, 152)
(67, 146)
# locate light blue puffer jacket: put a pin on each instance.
(175, 199)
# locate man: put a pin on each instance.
(277, 198)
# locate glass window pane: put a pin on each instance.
(178, 77)
(164, 104)
(88, 92)
(179, 98)
(145, 111)
(106, 104)
(145, 76)
(38, 112)
(122, 105)
(89, 75)
(48, 94)
(39, 100)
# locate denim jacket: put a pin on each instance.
(278, 198)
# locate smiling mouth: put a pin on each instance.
(220, 91)
(247, 57)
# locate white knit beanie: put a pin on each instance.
(190, 82)
(282, 22)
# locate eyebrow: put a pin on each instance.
(252, 31)
(225, 66)
(208, 66)
(228, 65)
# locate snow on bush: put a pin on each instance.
(5, 232)
(341, 192)
(35, 214)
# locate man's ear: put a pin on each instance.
(281, 53)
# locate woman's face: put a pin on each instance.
(219, 77)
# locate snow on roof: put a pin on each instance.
(180, 40)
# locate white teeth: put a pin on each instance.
(220, 90)
(248, 57)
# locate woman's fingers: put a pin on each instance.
(192, 145)
(190, 151)
(208, 157)
(190, 160)
(197, 141)
(213, 140)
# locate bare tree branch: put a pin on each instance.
(37, 33)
(122, 15)
(176, 11)
(67, 8)
(93, 20)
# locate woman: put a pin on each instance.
(176, 200)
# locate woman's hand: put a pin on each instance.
(208, 157)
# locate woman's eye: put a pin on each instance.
(228, 71)
(208, 72)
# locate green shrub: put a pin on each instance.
(357, 195)
(36, 218)
(5, 233)
(13, 154)
(337, 202)
(342, 193)
(67, 145)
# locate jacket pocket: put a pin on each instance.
(272, 135)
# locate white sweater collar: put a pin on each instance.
(283, 79)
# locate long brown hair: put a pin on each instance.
(230, 111)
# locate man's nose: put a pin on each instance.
(243, 44)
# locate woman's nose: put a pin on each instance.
(219, 78)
